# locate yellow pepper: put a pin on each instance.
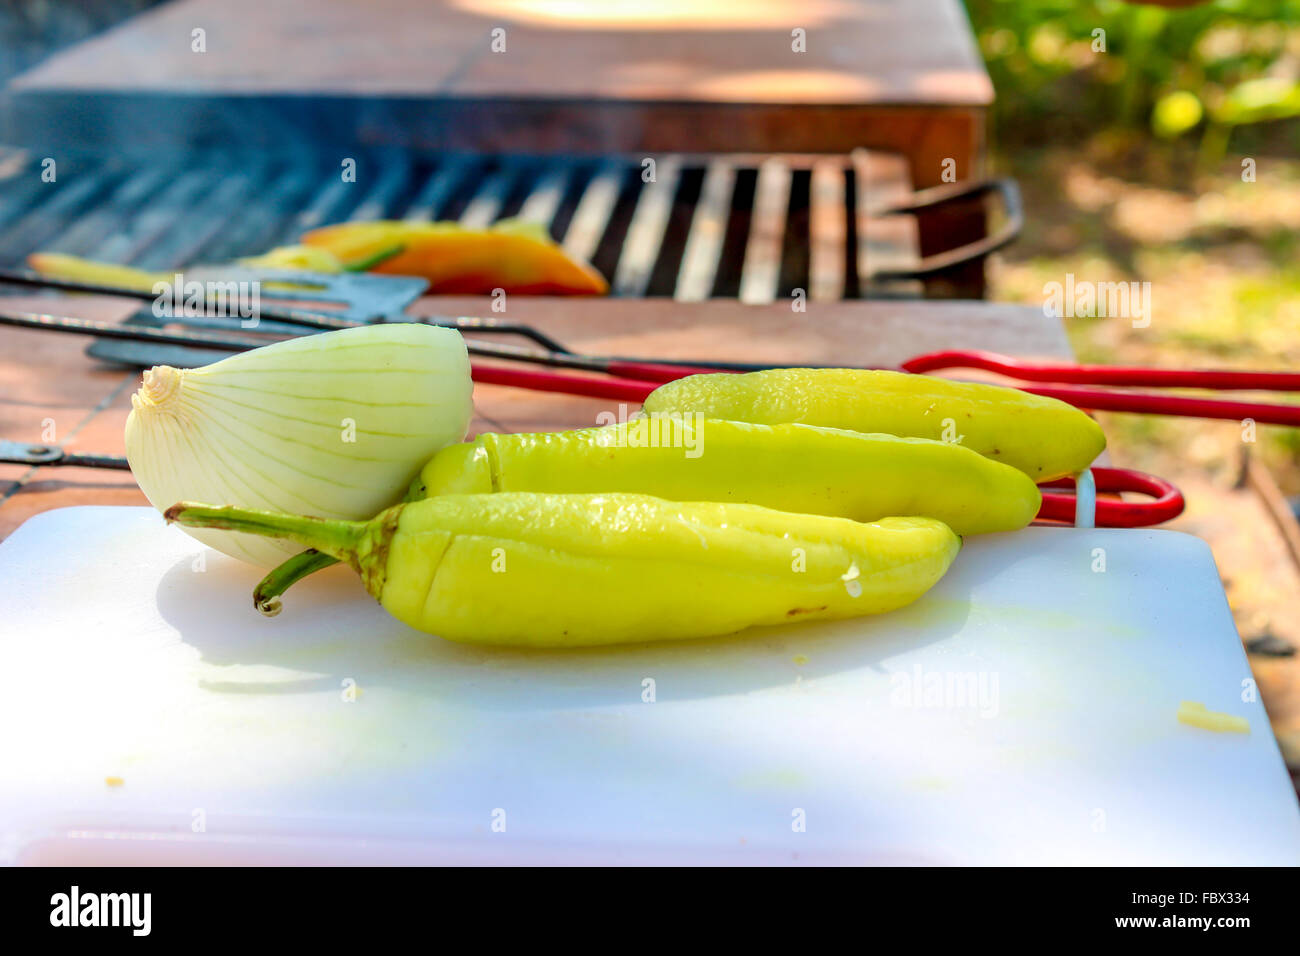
(822, 471)
(537, 570)
(1042, 437)
(799, 468)
(58, 266)
(511, 255)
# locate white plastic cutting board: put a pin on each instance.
(234, 740)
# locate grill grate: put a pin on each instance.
(756, 228)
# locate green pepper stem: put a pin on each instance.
(367, 263)
(338, 539)
(266, 596)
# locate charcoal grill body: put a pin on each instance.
(406, 87)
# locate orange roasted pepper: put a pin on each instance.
(512, 255)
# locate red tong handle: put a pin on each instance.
(575, 383)
(1072, 374)
(638, 381)
(1103, 399)
(1167, 504)
(1107, 400)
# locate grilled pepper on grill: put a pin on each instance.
(540, 570)
(60, 266)
(511, 255)
(514, 256)
(56, 265)
(1042, 437)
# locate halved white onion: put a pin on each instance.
(334, 425)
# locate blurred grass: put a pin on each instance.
(1119, 185)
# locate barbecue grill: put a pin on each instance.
(757, 228)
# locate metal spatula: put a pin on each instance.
(319, 300)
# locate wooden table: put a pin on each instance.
(50, 392)
(588, 76)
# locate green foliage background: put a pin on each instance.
(1200, 72)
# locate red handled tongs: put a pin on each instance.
(1147, 403)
